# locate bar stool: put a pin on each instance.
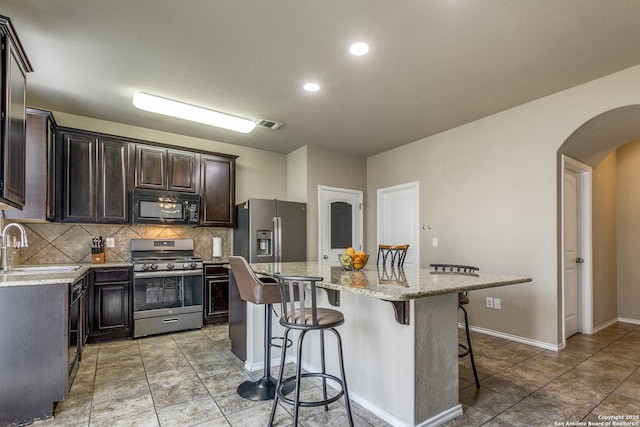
(463, 299)
(392, 255)
(255, 291)
(297, 316)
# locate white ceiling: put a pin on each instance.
(433, 64)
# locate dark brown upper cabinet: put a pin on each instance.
(217, 190)
(96, 178)
(14, 67)
(40, 168)
(165, 169)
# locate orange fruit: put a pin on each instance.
(350, 251)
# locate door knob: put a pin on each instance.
(579, 260)
(326, 257)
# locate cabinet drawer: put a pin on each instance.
(112, 275)
(215, 270)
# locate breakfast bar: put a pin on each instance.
(400, 335)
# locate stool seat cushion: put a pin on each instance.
(463, 299)
(326, 317)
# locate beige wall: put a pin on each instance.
(259, 173)
(605, 295)
(327, 167)
(297, 175)
(489, 190)
(628, 230)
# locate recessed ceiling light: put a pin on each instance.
(311, 87)
(177, 109)
(359, 49)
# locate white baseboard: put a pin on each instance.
(605, 325)
(437, 420)
(257, 366)
(443, 417)
(627, 320)
(528, 341)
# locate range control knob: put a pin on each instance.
(170, 266)
(145, 267)
(193, 265)
(154, 267)
(185, 265)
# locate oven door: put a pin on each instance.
(167, 301)
(167, 291)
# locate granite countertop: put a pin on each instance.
(391, 284)
(53, 277)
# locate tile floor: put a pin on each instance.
(596, 375)
(189, 379)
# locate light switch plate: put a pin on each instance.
(111, 242)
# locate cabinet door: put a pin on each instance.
(216, 300)
(79, 178)
(151, 167)
(37, 187)
(111, 307)
(217, 190)
(14, 137)
(182, 168)
(53, 171)
(113, 184)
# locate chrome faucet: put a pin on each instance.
(5, 236)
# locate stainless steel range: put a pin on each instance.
(167, 286)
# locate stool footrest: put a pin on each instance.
(285, 384)
(465, 352)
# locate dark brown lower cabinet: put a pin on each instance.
(110, 305)
(216, 294)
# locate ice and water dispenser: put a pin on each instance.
(265, 239)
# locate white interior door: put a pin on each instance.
(339, 221)
(398, 218)
(571, 255)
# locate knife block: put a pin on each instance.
(97, 258)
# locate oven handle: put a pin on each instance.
(179, 273)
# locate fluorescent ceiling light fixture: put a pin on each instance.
(177, 109)
(311, 87)
(359, 49)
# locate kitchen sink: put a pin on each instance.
(42, 269)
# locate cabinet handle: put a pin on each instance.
(172, 320)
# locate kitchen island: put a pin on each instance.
(400, 335)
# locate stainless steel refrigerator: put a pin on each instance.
(266, 231)
(271, 231)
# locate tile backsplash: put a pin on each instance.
(57, 243)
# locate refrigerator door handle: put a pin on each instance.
(277, 228)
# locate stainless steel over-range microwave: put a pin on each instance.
(164, 207)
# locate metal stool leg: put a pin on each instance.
(280, 374)
(469, 349)
(296, 405)
(344, 378)
(324, 369)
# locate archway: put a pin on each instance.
(590, 144)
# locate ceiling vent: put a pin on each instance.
(270, 124)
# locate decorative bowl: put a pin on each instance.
(353, 262)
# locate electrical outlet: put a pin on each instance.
(434, 242)
(111, 242)
(490, 302)
(497, 304)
